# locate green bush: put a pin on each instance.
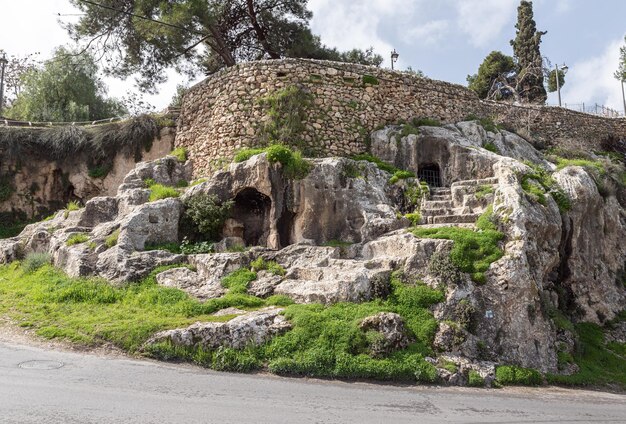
(294, 165)
(378, 162)
(77, 238)
(70, 207)
(34, 261)
(180, 153)
(426, 122)
(370, 79)
(207, 214)
(100, 171)
(400, 175)
(189, 248)
(414, 217)
(160, 192)
(484, 191)
(245, 154)
(287, 110)
(237, 281)
(111, 240)
(260, 264)
(474, 379)
(491, 147)
(510, 375)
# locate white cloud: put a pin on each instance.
(563, 6)
(428, 34)
(591, 81)
(484, 20)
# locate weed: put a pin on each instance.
(245, 154)
(237, 281)
(70, 207)
(370, 79)
(337, 243)
(198, 181)
(159, 192)
(206, 214)
(491, 147)
(400, 175)
(100, 171)
(77, 238)
(383, 166)
(34, 261)
(272, 267)
(111, 240)
(287, 112)
(408, 129)
(294, 165)
(510, 375)
(426, 122)
(474, 379)
(414, 217)
(180, 153)
(189, 248)
(483, 191)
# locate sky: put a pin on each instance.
(446, 39)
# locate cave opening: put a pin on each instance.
(252, 209)
(430, 173)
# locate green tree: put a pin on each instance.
(495, 65)
(528, 56)
(198, 35)
(552, 87)
(65, 88)
(620, 74)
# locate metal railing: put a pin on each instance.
(592, 109)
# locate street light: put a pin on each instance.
(564, 68)
(394, 57)
(3, 64)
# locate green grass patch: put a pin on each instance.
(111, 240)
(77, 239)
(483, 191)
(384, 166)
(408, 129)
(159, 192)
(473, 251)
(600, 364)
(426, 122)
(337, 243)
(237, 281)
(539, 182)
(370, 79)
(400, 175)
(100, 171)
(585, 163)
(414, 217)
(510, 375)
(474, 379)
(171, 247)
(180, 153)
(260, 264)
(294, 165)
(33, 261)
(491, 147)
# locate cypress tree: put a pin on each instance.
(528, 56)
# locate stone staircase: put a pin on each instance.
(459, 205)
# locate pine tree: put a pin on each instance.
(528, 56)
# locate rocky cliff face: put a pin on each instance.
(339, 233)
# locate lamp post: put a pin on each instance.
(394, 57)
(623, 97)
(564, 68)
(3, 64)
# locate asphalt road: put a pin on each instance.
(56, 386)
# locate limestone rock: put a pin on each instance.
(253, 328)
(391, 328)
(190, 282)
(154, 222)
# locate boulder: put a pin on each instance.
(391, 327)
(253, 328)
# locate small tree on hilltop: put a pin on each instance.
(620, 74)
(528, 56)
(495, 65)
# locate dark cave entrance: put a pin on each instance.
(252, 209)
(430, 173)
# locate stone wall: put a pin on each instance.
(223, 113)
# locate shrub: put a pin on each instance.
(378, 162)
(260, 264)
(370, 79)
(237, 281)
(414, 217)
(159, 192)
(111, 240)
(100, 171)
(518, 376)
(491, 147)
(408, 129)
(287, 112)
(207, 214)
(294, 165)
(483, 191)
(245, 154)
(180, 153)
(7, 187)
(474, 379)
(77, 238)
(189, 248)
(34, 261)
(182, 184)
(400, 175)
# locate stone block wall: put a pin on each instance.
(223, 113)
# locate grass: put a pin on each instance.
(426, 122)
(539, 182)
(159, 192)
(510, 375)
(75, 239)
(90, 311)
(337, 243)
(585, 163)
(272, 267)
(11, 229)
(400, 175)
(33, 261)
(294, 165)
(474, 379)
(370, 79)
(491, 147)
(180, 153)
(473, 251)
(414, 217)
(100, 171)
(383, 166)
(237, 281)
(111, 240)
(483, 191)
(600, 364)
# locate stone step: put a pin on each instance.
(440, 190)
(483, 181)
(459, 218)
(437, 197)
(436, 211)
(434, 204)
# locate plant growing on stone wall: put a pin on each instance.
(77, 238)
(287, 111)
(6, 188)
(160, 192)
(206, 214)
